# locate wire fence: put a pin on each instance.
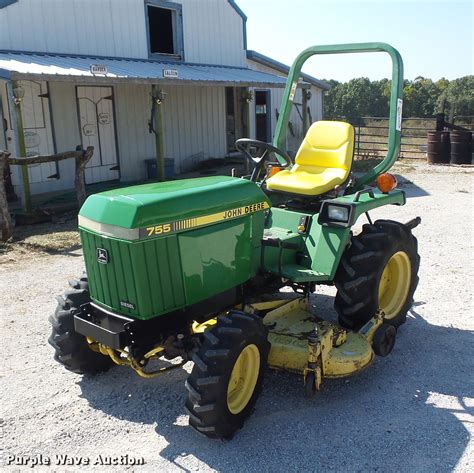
(371, 140)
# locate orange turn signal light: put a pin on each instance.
(386, 182)
(273, 170)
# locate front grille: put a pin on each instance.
(141, 278)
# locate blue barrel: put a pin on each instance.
(152, 168)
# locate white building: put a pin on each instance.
(88, 71)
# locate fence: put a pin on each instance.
(81, 157)
(372, 135)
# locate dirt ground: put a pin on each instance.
(411, 411)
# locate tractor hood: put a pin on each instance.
(176, 205)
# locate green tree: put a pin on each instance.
(457, 97)
(419, 98)
(422, 97)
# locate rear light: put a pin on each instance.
(386, 182)
(272, 170)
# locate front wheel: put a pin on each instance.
(71, 349)
(227, 376)
(379, 271)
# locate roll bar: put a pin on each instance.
(396, 102)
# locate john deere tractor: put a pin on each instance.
(192, 269)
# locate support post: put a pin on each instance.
(244, 98)
(6, 226)
(246, 111)
(304, 104)
(158, 132)
(79, 181)
(22, 149)
(358, 140)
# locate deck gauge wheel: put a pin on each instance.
(310, 385)
(384, 339)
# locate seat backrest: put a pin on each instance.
(327, 144)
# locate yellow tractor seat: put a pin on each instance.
(323, 161)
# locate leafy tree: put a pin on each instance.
(457, 97)
(422, 97)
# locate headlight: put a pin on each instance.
(336, 212)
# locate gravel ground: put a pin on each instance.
(411, 411)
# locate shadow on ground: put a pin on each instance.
(410, 188)
(50, 238)
(401, 413)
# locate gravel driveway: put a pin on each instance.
(411, 411)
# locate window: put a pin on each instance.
(164, 28)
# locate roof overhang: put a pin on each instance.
(283, 68)
(59, 67)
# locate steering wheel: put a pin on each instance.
(265, 150)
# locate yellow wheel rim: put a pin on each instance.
(395, 284)
(243, 379)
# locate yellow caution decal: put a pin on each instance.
(190, 223)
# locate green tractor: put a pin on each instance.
(185, 270)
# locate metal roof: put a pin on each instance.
(61, 67)
(279, 66)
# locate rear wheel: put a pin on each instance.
(71, 349)
(378, 271)
(227, 376)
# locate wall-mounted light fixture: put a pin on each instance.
(160, 97)
(18, 94)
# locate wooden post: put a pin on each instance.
(304, 104)
(6, 226)
(158, 131)
(358, 140)
(246, 112)
(22, 150)
(79, 181)
(244, 98)
(81, 157)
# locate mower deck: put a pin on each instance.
(304, 343)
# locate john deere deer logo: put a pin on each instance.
(102, 256)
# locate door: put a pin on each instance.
(37, 129)
(3, 128)
(97, 123)
(234, 116)
(7, 180)
(230, 118)
(263, 129)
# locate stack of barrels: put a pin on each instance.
(454, 147)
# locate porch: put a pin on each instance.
(129, 110)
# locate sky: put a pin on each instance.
(434, 38)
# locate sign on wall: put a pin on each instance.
(170, 73)
(98, 69)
